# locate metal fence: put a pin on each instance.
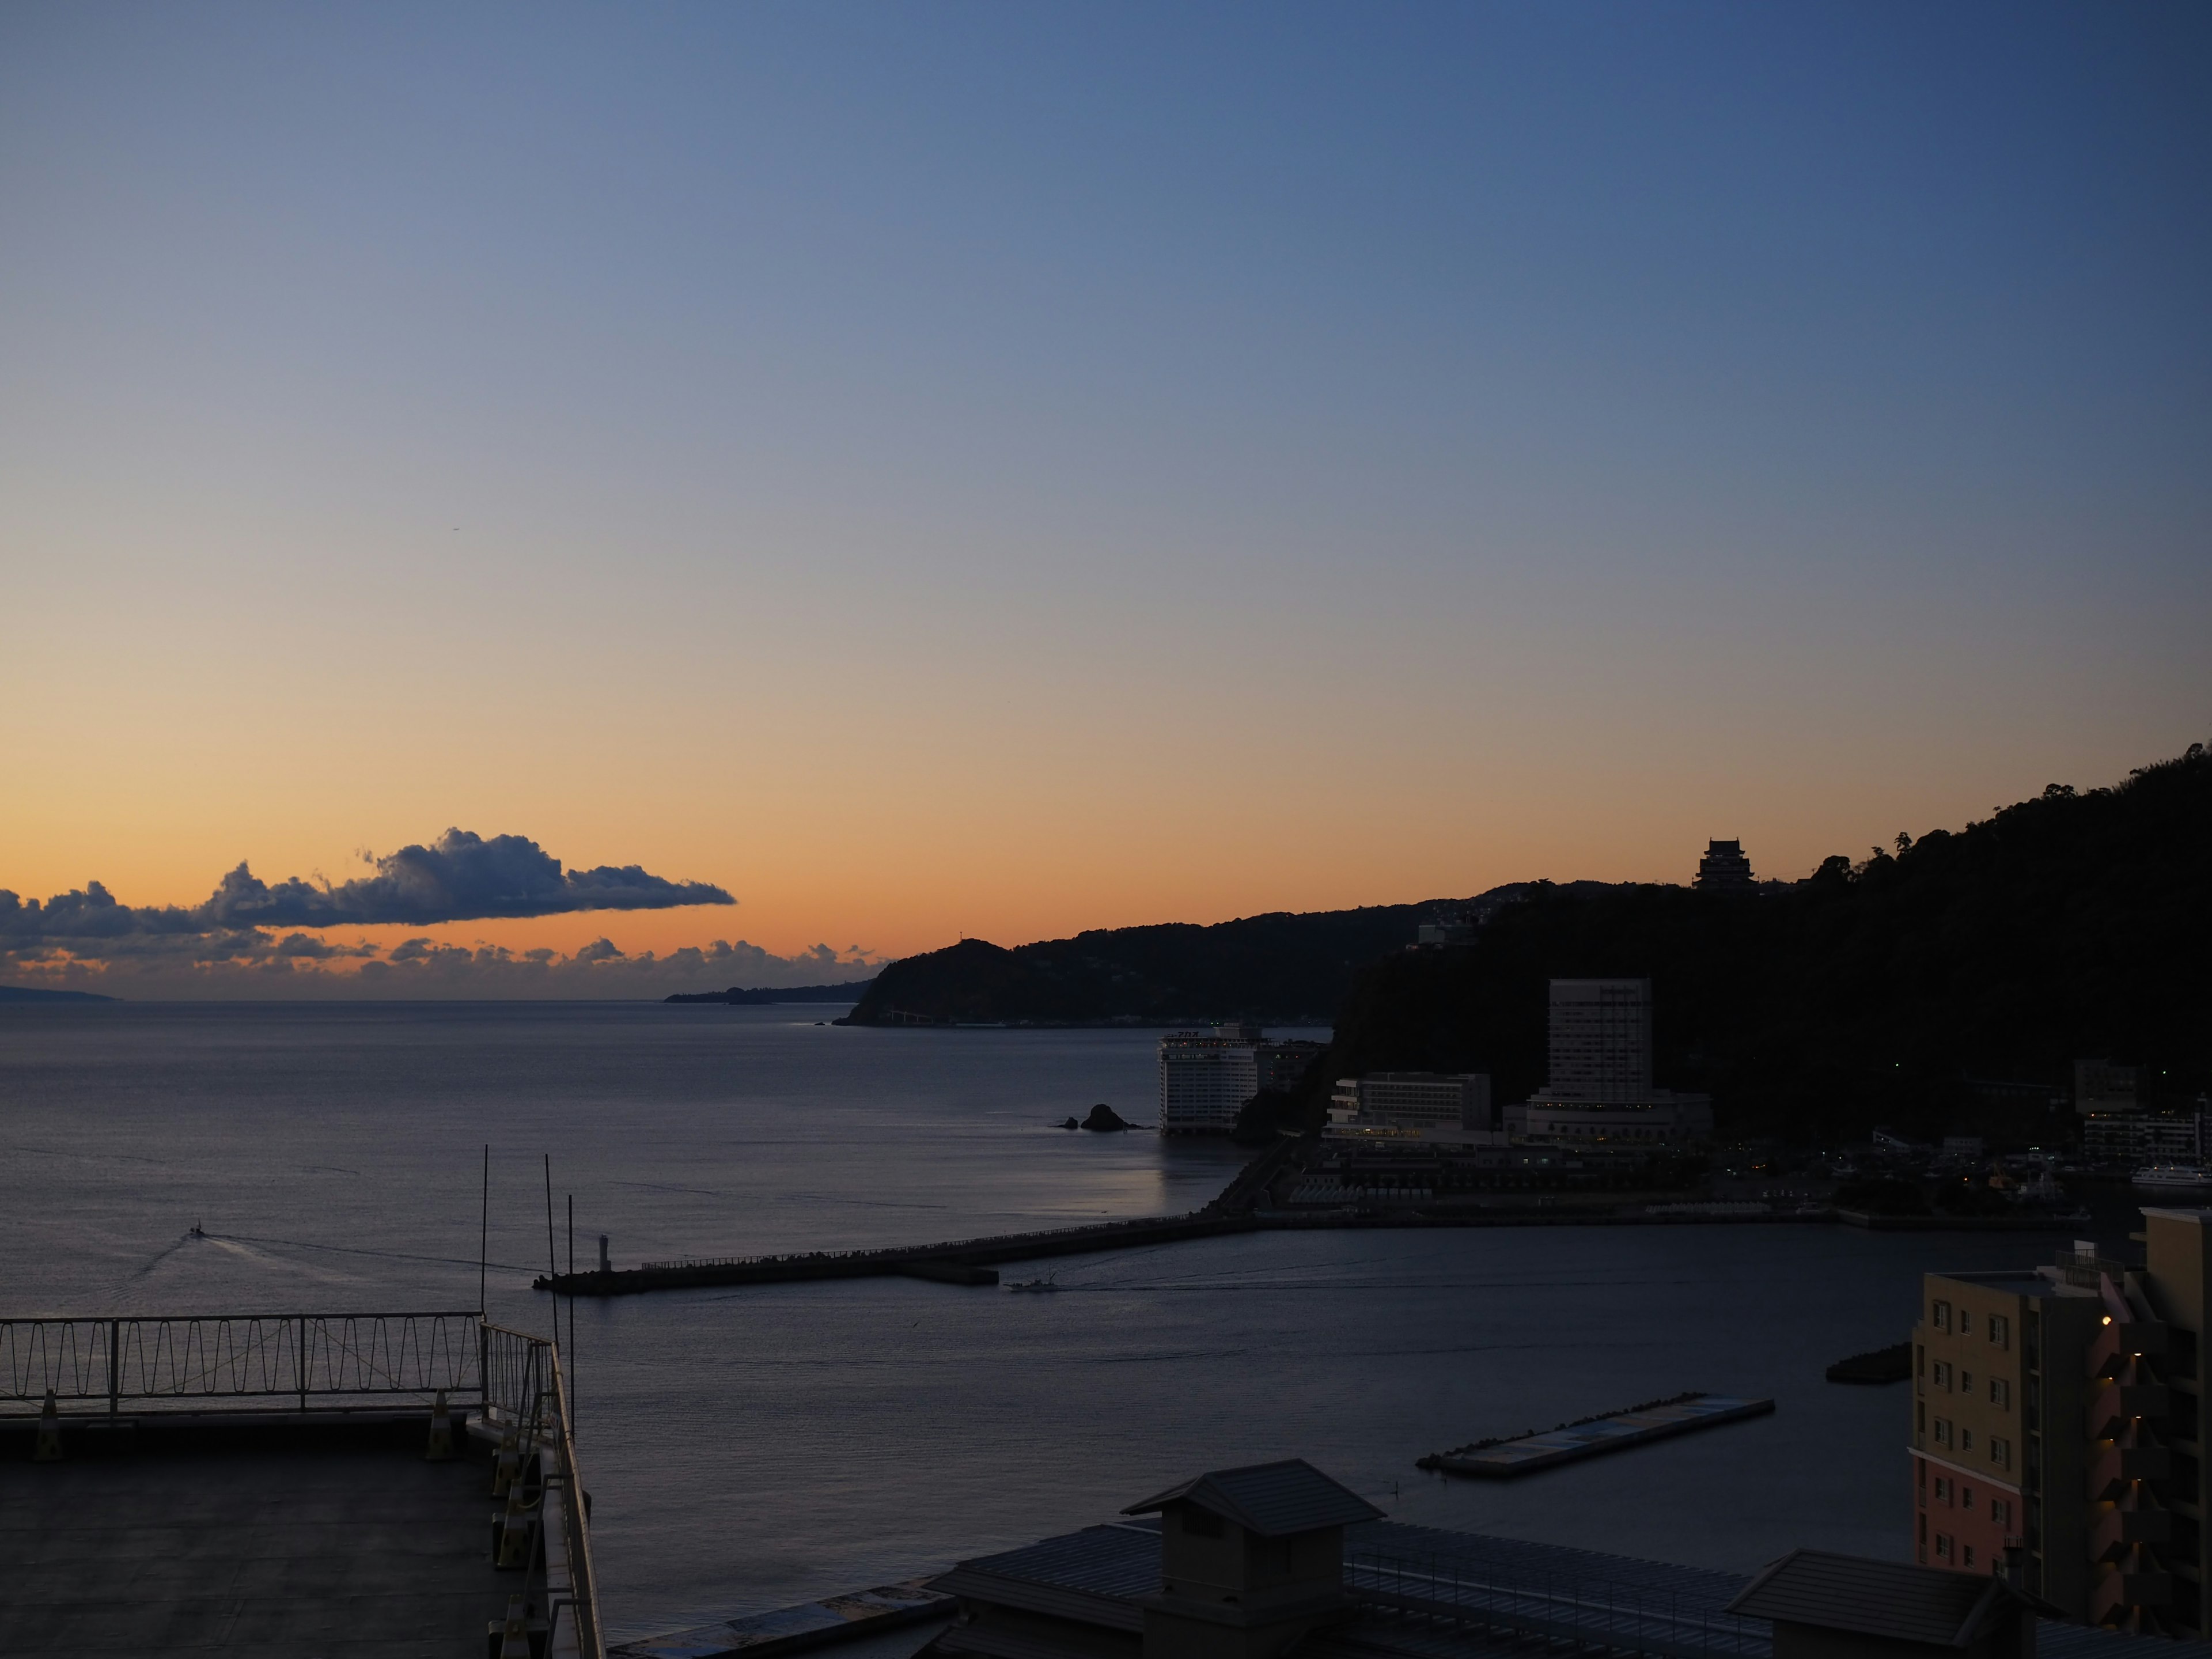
(1583, 1613)
(241, 1356)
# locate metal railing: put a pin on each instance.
(1585, 1612)
(138, 1360)
(525, 1390)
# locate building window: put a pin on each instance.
(1942, 1490)
(1942, 1435)
(1968, 1559)
(1940, 1316)
(1965, 1440)
(2001, 1512)
(1966, 1382)
(2001, 1393)
(2001, 1452)
(1942, 1547)
(1966, 1323)
(1966, 1498)
(2001, 1330)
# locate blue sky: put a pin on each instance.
(1088, 459)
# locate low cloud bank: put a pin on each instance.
(256, 964)
(461, 876)
(255, 938)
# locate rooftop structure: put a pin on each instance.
(1826, 1606)
(1141, 1589)
(1724, 869)
(287, 1486)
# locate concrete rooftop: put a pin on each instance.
(333, 1544)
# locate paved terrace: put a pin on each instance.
(343, 1542)
(262, 1485)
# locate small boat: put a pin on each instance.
(2157, 1176)
(1033, 1284)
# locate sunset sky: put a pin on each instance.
(999, 469)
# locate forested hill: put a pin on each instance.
(1282, 968)
(1890, 991)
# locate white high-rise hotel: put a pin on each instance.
(1600, 1088)
(1205, 1077)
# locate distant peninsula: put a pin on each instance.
(1283, 968)
(768, 995)
(40, 993)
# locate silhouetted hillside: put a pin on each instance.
(39, 993)
(1879, 991)
(1280, 967)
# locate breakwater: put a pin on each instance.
(963, 1261)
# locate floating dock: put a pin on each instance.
(1528, 1453)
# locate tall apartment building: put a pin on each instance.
(1724, 869)
(1600, 1086)
(1205, 1077)
(1600, 1040)
(2057, 1427)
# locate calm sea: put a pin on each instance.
(748, 1448)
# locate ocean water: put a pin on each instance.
(751, 1448)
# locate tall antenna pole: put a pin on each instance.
(570, 1378)
(552, 1266)
(483, 1233)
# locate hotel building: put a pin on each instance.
(1433, 1105)
(2057, 1425)
(1205, 1077)
(1600, 1087)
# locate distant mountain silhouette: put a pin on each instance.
(40, 993)
(1895, 990)
(768, 995)
(1281, 967)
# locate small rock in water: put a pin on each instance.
(1070, 1124)
(1103, 1116)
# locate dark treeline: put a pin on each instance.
(1282, 967)
(1881, 991)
